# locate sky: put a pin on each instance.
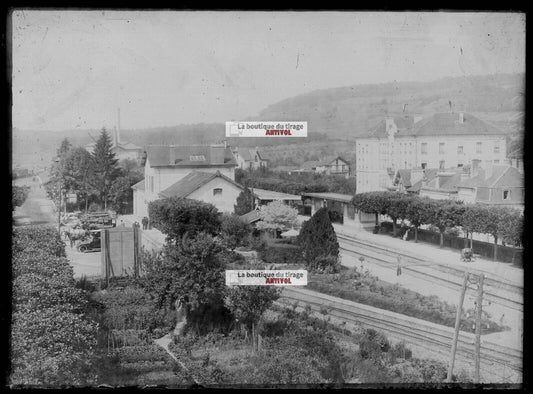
(73, 69)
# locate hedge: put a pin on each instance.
(282, 254)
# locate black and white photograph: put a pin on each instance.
(169, 166)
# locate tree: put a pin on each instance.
(78, 173)
(191, 270)
(472, 221)
(64, 148)
(277, 216)
(446, 214)
(177, 216)
(418, 212)
(318, 239)
(234, 231)
(248, 303)
(397, 208)
(19, 195)
(371, 202)
(105, 166)
(244, 202)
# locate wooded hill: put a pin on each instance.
(337, 113)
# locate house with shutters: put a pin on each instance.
(442, 141)
(201, 172)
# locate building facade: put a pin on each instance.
(440, 141)
(206, 173)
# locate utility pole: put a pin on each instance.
(457, 325)
(478, 326)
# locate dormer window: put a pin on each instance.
(197, 158)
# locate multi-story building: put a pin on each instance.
(442, 140)
(205, 173)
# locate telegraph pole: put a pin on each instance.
(457, 325)
(478, 327)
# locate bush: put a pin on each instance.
(175, 217)
(317, 238)
(373, 344)
(325, 264)
(282, 254)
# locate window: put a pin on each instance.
(441, 148)
(217, 192)
(496, 162)
(441, 165)
(459, 165)
(496, 146)
(424, 148)
(197, 158)
(424, 165)
(479, 147)
(460, 150)
(506, 195)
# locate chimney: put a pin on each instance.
(217, 152)
(118, 128)
(450, 103)
(115, 134)
(461, 117)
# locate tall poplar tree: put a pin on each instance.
(106, 168)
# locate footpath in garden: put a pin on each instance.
(152, 239)
(434, 254)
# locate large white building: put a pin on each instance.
(442, 140)
(205, 173)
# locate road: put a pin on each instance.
(39, 209)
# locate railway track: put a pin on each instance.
(495, 358)
(498, 291)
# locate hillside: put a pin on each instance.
(332, 114)
(351, 111)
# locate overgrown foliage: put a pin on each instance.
(277, 216)
(52, 343)
(244, 202)
(234, 231)
(319, 243)
(19, 195)
(175, 217)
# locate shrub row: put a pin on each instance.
(500, 222)
(52, 342)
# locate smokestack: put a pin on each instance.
(217, 154)
(450, 103)
(118, 127)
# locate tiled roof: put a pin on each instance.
(502, 176)
(192, 182)
(251, 217)
(406, 177)
(331, 196)
(438, 124)
(429, 175)
(263, 194)
(139, 185)
(189, 156)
